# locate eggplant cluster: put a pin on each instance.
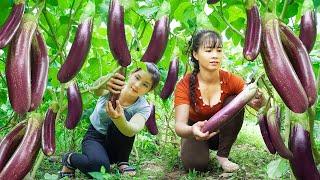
(287, 65)
(154, 52)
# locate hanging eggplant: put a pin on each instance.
(11, 25)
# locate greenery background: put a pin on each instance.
(154, 156)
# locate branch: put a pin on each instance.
(98, 84)
(225, 20)
(69, 25)
(54, 37)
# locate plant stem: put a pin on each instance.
(285, 5)
(268, 88)
(144, 28)
(69, 25)
(54, 37)
(265, 4)
(37, 165)
(225, 20)
(316, 154)
(135, 148)
(102, 82)
(274, 7)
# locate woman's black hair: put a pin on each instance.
(204, 38)
(152, 69)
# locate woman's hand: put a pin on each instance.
(198, 134)
(114, 113)
(116, 83)
(257, 101)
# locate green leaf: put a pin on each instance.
(239, 23)
(203, 21)
(128, 4)
(48, 176)
(164, 10)
(217, 22)
(292, 10)
(52, 76)
(64, 19)
(236, 39)
(179, 13)
(147, 11)
(235, 12)
(97, 175)
(94, 68)
(53, 2)
(175, 4)
(63, 4)
(277, 168)
(88, 11)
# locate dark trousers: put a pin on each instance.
(102, 150)
(195, 154)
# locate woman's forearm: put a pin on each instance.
(183, 130)
(128, 128)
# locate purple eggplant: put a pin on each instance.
(300, 61)
(22, 160)
(253, 33)
(78, 52)
(151, 123)
(275, 136)
(116, 34)
(302, 163)
(18, 70)
(115, 97)
(158, 42)
(10, 142)
(265, 133)
(225, 114)
(172, 78)
(74, 106)
(308, 29)
(279, 69)
(39, 70)
(11, 25)
(48, 141)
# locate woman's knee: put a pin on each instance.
(194, 154)
(96, 164)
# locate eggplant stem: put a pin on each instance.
(274, 7)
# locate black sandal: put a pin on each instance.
(126, 169)
(66, 174)
(65, 162)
